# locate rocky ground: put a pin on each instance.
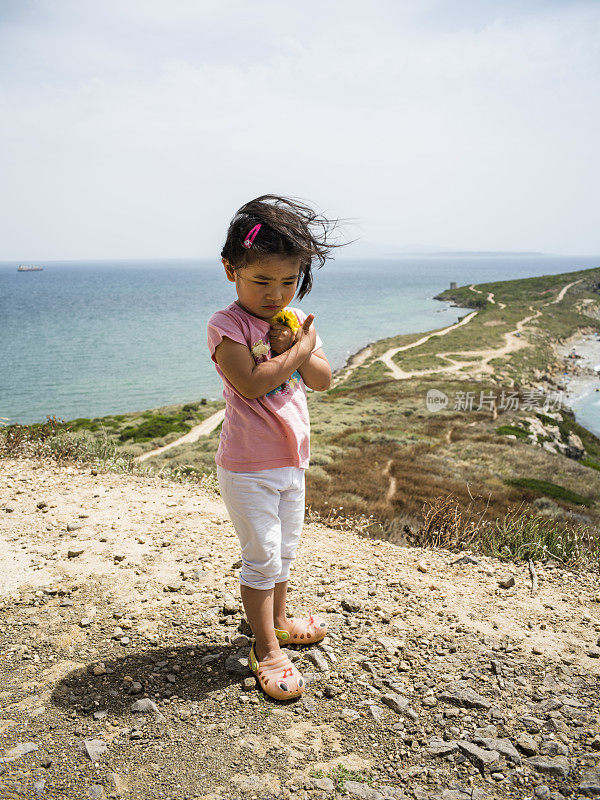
(123, 659)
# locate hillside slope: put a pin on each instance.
(435, 681)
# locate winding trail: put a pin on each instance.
(490, 296)
(513, 342)
(203, 429)
(562, 292)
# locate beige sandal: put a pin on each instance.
(277, 676)
(303, 631)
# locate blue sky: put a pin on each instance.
(136, 129)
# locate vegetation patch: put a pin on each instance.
(550, 490)
(506, 430)
(155, 427)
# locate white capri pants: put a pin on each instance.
(267, 511)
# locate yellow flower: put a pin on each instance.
(286, 317)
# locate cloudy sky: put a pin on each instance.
(136, 128)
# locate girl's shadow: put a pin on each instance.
(190, 673)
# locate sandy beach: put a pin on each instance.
(583, 376)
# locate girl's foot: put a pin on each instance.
(302, 631)
(277, 676)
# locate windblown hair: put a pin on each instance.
(288, 228)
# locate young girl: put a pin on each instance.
(264, 445)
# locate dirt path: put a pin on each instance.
(353, 362)
(389, 354)
(139, 602)
(563, 291)
(206, 426)
(513, 342)
(490, 296)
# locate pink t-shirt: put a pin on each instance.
(263, 432)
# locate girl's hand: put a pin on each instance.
(307, 334)
(281, 338)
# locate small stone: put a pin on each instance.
(74, 526)
(527, 744)
(331, 690)
(506, 581)
(74, 552)
(85, 622)
(308, 704)
(483, 759)
(20, 749)
(249, 683)
(466, 560)
(318, 659)
(532, 724)
(350, 603)
(96, 792)
(590, 783)
(362, 791)
(93, 748)
(462, 695)
(237, 665)
(550, 747)
(265, 783)
(324, 784)
(146, 705)
(593, 652)
(439, 747)
(490, 731)
(400, 705)
(349, 715)
(558, 766)
(230, 605)
(377, 713)
(422, 566)
(502, 746)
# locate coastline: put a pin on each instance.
(580, 354)
(582, 377)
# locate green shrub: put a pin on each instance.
(590, 462)
(505, 430)
(547, 420)
(550, 490)
(158, 426)
(521, 536)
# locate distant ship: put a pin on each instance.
(25, 268)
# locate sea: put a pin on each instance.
(91, 338)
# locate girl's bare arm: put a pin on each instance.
(316, 372)
(255, 380)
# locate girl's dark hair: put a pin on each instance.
(288, 228)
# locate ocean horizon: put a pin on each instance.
(89, 338)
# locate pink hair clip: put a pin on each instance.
(251, 236)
